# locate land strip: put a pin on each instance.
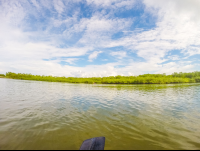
(192, 77)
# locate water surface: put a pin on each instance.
(45, 115)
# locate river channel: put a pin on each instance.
(48, 115)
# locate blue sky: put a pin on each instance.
(87, 38)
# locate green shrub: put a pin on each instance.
(192, 81)
(197, 79)
(141, 79)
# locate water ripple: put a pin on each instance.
(43, 115)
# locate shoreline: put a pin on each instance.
(141, 79)
(101, 83)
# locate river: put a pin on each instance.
(47, 115)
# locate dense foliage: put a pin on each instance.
(141, 79)
(2, 75)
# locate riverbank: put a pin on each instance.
(193, 77)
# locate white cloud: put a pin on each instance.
(176, 29)
(119, 54)
(113, 3)
(99, 29)
(22, 50)
(93, 55)
(174, 57)
(71, 60)
(59, 6)
(36, 4)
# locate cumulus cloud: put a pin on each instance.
(177, 28)
(178, 25)
(174, 57)
(37, 35)
(119, 54)
(93, 55)
(113, 3)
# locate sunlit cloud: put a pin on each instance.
(99, 38)
(119, 54)
(94, 55)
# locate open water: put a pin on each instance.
(46, 115)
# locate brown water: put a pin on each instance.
(44, 115)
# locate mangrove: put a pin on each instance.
(192, 77)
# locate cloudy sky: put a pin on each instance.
(99, 37)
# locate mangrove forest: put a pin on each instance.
(191, 77)
(2, 75)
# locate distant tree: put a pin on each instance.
(141, 79)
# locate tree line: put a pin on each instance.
(192, 77)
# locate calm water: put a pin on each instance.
(44, 115)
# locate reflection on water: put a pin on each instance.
(43, 115)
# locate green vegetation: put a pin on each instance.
(2, 75)
(141, 79)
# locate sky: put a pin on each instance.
(92, 38)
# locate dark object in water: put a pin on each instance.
(96, 143)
